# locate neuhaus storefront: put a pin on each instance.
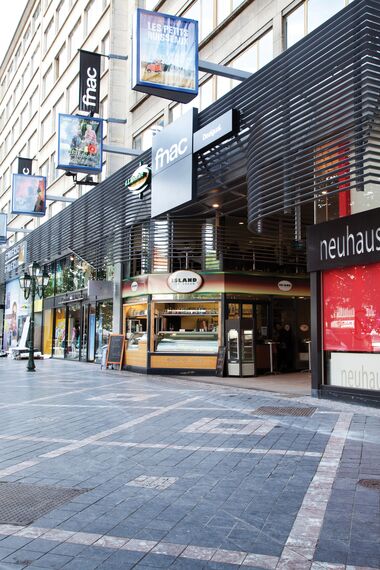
(344, 258)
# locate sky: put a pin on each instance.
(9, 20)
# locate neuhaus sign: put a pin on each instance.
(353, 240)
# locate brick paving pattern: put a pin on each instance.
(183, 475)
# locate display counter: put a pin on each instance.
(187, 341)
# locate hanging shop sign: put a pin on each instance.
(89, 81)
(3, 228)
(80, 143)
(352, 240)
(140, 180)
(217, 131)
(173, 182)
(28, 195)
(184, 281)
(25, 166)
(165, 56)
(15, 257)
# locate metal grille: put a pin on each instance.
(309, 130)
(22, 504)
(275, 411)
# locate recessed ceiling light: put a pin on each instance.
(241, 223)
(215, 205)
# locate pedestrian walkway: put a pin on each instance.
(113, 470)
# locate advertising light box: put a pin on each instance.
(80, 143)
(3, 228)
(165, 56)
(29, 195)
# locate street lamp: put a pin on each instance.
(33, 283)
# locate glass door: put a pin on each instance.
(240, 331)
(73, 331)
(84, 335)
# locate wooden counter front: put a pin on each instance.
(183, 361)
(136, 356)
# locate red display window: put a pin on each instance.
(351, 309)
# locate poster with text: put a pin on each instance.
(166, 56)
(351, 309)
(80, 142)
(16, 312)
(29, 195)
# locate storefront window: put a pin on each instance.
(48, 332)
(186, 327)
(103, 326)
(351, 326)
(59, 339)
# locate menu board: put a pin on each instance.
(220, 361)
(115, 351)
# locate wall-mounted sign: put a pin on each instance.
(165, 56)
(360, 371)
(217, 131)
(28, 195)
(80, 143)
(15, 257)
(348, 241)
(173, 181)
(25, 166)
(3, 228)
(89, 81)
(184, 281)
(284, 285)
(140, 180)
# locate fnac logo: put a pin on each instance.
(164, 157)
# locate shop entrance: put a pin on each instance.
(247, 332)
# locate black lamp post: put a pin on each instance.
(33, 283)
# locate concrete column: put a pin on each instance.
(117, 314)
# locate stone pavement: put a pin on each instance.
(182, 475)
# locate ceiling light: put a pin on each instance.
(215, 205)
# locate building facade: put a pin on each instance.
(304, 152)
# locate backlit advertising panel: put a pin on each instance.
(351, 309)
(165, 56)
(3, 228)
(80, 143)
(29, 195)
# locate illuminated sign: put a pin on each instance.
(184, 281)
(28, 195)
(165, 56)
(80, 143)
(140, 180)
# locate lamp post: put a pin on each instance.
(33, 283)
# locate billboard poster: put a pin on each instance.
(351, 309)
(89, 81)
(80, 143)
(3, 228)
(28, 195)
(165, 55)
(16, 312)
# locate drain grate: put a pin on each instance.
(286, 411)
(22, 504)
(373, 484)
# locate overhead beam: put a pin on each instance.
(121, 150)
(223, 70)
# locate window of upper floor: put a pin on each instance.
(309, 15)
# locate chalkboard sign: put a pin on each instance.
(115, 350)
(220, 361)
